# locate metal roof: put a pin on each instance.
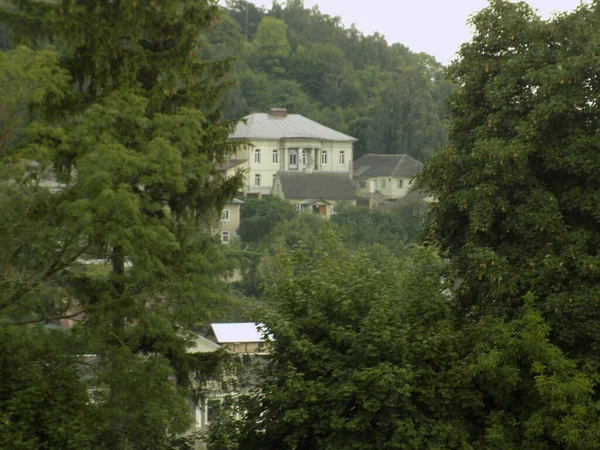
(373, 165)
(317, 185)
(236, 332)
(290, 126)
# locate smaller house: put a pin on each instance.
(316, 192)
(390, 176)
(230, 220)
(243, 338)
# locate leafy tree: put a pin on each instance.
(373, 354)
(43, 401)
(260, 216)
(394, 229)
(516, 194)
(271, 45)
(352, 345)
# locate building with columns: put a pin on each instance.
(277, 141)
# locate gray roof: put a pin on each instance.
(372, 165)
(290, 126)
(229, 163)
(317, 185)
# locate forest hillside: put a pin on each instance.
(391, 99)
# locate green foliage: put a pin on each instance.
(354, 346)
(394, 229)
(271, 45)
(117, 171)
(43, 401)
(260, 216)
(517, 194)
(391, 99)
(370, 356)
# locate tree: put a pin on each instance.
(353, 354)
(43, 401)
(132, 145)
(260, 216)
(271, 45)
(516, 193)
(394, 229)
(371, 353)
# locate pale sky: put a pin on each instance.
(437, 27)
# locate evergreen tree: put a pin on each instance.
(122, 244)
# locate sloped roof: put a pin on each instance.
(236, 332)
(290, 126)
(203, 345)
(229, 164)
(373, 165)
(317, 185)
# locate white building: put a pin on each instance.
(277, 141)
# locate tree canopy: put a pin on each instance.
(106, 197)
(290, 56)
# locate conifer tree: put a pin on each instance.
(132, 143)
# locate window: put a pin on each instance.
(298, 207)
(304, 156)
(342, 158)
(323, 156)
(257, 179)
(293, 159)
(257, 155)
(362, 184)
(274, 178)
(225, 215)
(383, 183)
(275, 156)
(400, 183)
(224, 237)
(212, 410)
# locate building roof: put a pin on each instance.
(285, 126)
(372, 165)
(317, 185)
(411, 198)
(229, 164)
(203, 345)
(236, 332)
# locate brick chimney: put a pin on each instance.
(277, 112)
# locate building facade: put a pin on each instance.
(387, 177)
(276, 141)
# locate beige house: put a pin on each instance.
(385, 177)
(276, 141)
(316, 192)
(230, 220)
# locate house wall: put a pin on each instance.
(330, 205)
(231, 226)
(266, 169)
(387, 186)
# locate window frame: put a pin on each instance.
(257, 179)
(400, 183)
(323, 156)
(226, 215)
(293, 153)
(275, 159)
(225, 237)
(342, 157)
